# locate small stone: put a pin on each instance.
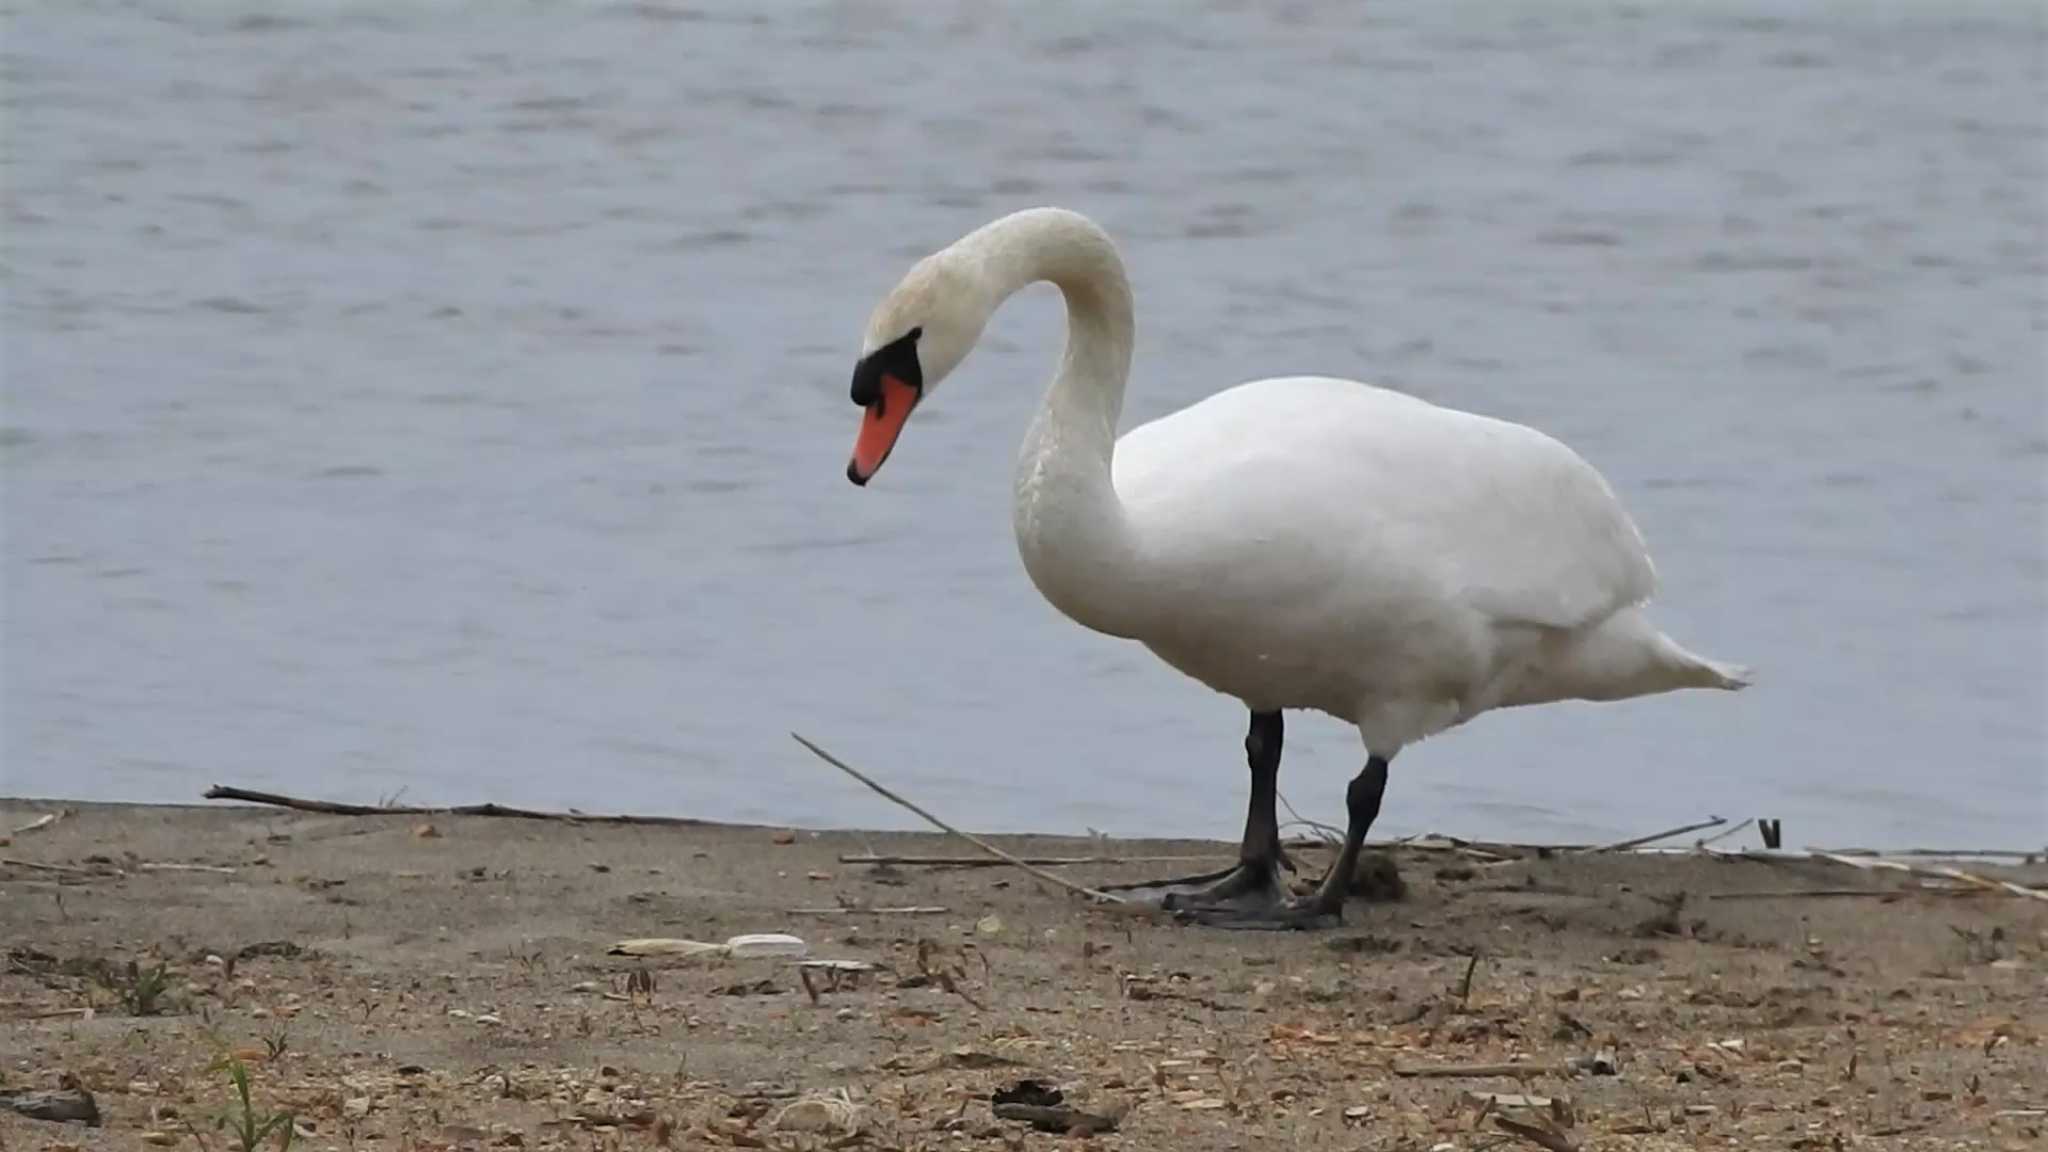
(427, 832)
(1790, 1066)
(355, 1107)
(160, 1139)
(990, 925)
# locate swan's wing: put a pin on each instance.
(1302, 481)
(1527, 531)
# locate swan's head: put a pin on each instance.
(918, 334)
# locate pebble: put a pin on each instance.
(355, 1107)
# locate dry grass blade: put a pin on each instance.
(941, 825)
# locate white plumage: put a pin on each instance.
(1301, 542)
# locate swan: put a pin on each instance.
(1299, 542)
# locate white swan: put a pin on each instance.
(1299, 542)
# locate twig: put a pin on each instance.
(1455, 1071)
(1725, 833)
(1639, 841)
(941, 825)
(60, 869)
(1465, 985)
(332, 808)
(214, 868)
(1536, 1134)
(910, 910)
(1824, 893)
(1042, 861)
(1328, 833)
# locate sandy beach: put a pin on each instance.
(431, 982)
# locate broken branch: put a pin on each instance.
(333, 808)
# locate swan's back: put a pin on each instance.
(1313, 487)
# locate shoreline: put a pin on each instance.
(1670, 842)
(446, 980)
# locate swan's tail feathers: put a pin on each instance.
(1700, 672)
(1731, 677)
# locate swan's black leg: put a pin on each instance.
(1325, 907)
(1257, 872)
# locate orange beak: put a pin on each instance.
(879, 427)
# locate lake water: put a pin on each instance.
(449, 399)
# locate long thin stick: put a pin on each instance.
(1725, 833)
(60, 869)
(941, 825)
(907, 910)
(1041, 861)
(332, 808)
(1824, 893)
(1949, 853)
(1455, 1071)
(1867, 863)
(1639, 841)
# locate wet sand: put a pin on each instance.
(434, 982)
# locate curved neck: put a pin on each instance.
(1071, 529)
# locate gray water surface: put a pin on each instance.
(450, 399)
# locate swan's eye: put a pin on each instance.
(897, 358)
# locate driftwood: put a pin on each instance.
(332, 808)
(941, 825)
(41, 822)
